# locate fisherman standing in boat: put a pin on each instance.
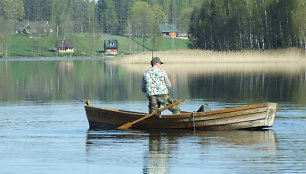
(155, 84)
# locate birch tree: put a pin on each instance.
(11, 11)
(248, 24)
(141, 19)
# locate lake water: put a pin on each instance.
(43, 126)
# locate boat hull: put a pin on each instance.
(256, 116)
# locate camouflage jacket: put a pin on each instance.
(155, 82)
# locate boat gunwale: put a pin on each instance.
(267, 111)
(188, 114)
(116, 110)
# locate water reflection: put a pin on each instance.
(110, 81)
(47, 118)
(156, 159)
(248, 87)
(171, 149)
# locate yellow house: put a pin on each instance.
(65, 46)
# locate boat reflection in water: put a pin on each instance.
(175, 150)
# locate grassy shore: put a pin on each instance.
(85, 45)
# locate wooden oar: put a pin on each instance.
(130, 124)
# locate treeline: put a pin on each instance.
(248, 24)
(108, 16)
(211, 24)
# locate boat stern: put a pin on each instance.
(271, 112)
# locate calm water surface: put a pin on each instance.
(43, 129)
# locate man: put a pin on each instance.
(155, 84)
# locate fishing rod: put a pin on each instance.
(153, 42)
(74, 97)
(154, 36)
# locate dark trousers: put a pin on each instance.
(156, 100)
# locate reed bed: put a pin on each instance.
(202, 61)
(204, 56)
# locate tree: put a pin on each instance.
(61, 16)
(159, 17)
(5, 34)
(91, 19)
(248, 24)
(159, 14)
(122, 11)
(11, 11)
(184, 20)
(299, 24)
(37, 10)
(92, 23)
(141, 19)
(106, 16)
(79, 13)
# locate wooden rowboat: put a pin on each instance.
(255, 116)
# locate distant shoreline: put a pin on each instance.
(189, 56)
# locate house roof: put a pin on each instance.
(167, 28)
(64, 44)
(111, 43)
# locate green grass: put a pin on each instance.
(21, 46)
(86, 45)
(31, 46)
